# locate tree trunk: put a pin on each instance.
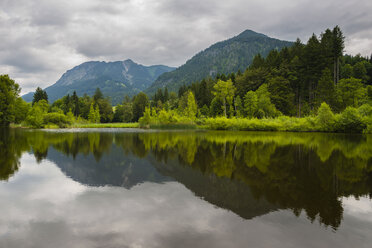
(224, 104)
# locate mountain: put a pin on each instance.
(115, 79)
(223, 57)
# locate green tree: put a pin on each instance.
(351, 92)
(224, 90)
(325, 90)
(140, 102)
(9, 91)
(192, 108)
(325, 117)
(250, 103)
(21, 109)
(281, 94)
(39, 95)
(97, 95)
(264, 106)
(35, 117)
(75, 104)
(93, 116)
(338, 49)
(238, 106)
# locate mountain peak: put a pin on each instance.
(224, 57)
(250, 33)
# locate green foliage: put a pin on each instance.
(225, 91)
(9, 91)
(39, 95)
(140, 102)
(325, 91)
(281, 94)
(21, 109)
(325, 117)
(35, 116)
(94, 115)
(350, 121)
(57, 119)
(192, 108)
(351, 92)
(265, 109)
(250, 104)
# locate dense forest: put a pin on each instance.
(305, 87)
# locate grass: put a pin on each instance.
(105, 125)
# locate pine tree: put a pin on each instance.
(326, 90)
(39, 95)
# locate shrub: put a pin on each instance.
(58, 119)
(325, 118)
(350, 121)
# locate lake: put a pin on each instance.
(145, 188)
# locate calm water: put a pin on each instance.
(134, 188)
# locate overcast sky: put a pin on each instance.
(41, 39)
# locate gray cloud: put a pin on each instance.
(41, 39)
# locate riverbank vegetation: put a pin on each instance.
(305, 87)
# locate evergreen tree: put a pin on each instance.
(325, 91)
(140, 102)
(75, 104)
(97, 95)
(281, 95)
(92, 114)
(338, 48)
(39, 95)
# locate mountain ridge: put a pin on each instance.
(224, 57)
(115, 79)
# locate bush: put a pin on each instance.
(350, 121)
(58, 119)
(325, 118)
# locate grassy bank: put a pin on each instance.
(104, 125)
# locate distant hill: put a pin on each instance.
(223, 57)
(115, 79)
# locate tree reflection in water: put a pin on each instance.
(250, 173)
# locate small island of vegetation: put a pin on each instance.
(305, 87)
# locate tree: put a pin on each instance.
(140, 102)
(281, 94)
(21, 109)
(191, 109)
(351, 92)
(250, 103)
(264, 106)
(360, 71)
(35, 117)
(39, 95)
(9, 91)
(97, 95)
(238, 106)
(338, 49)
(325, 117)
(94, 116)
(75, 104)
(325, 91)
(225, 91)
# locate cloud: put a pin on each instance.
(45, 208)
(41, 39)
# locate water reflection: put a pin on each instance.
(250, 174)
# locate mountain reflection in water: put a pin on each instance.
(248, 173)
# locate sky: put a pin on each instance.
(42, 39)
